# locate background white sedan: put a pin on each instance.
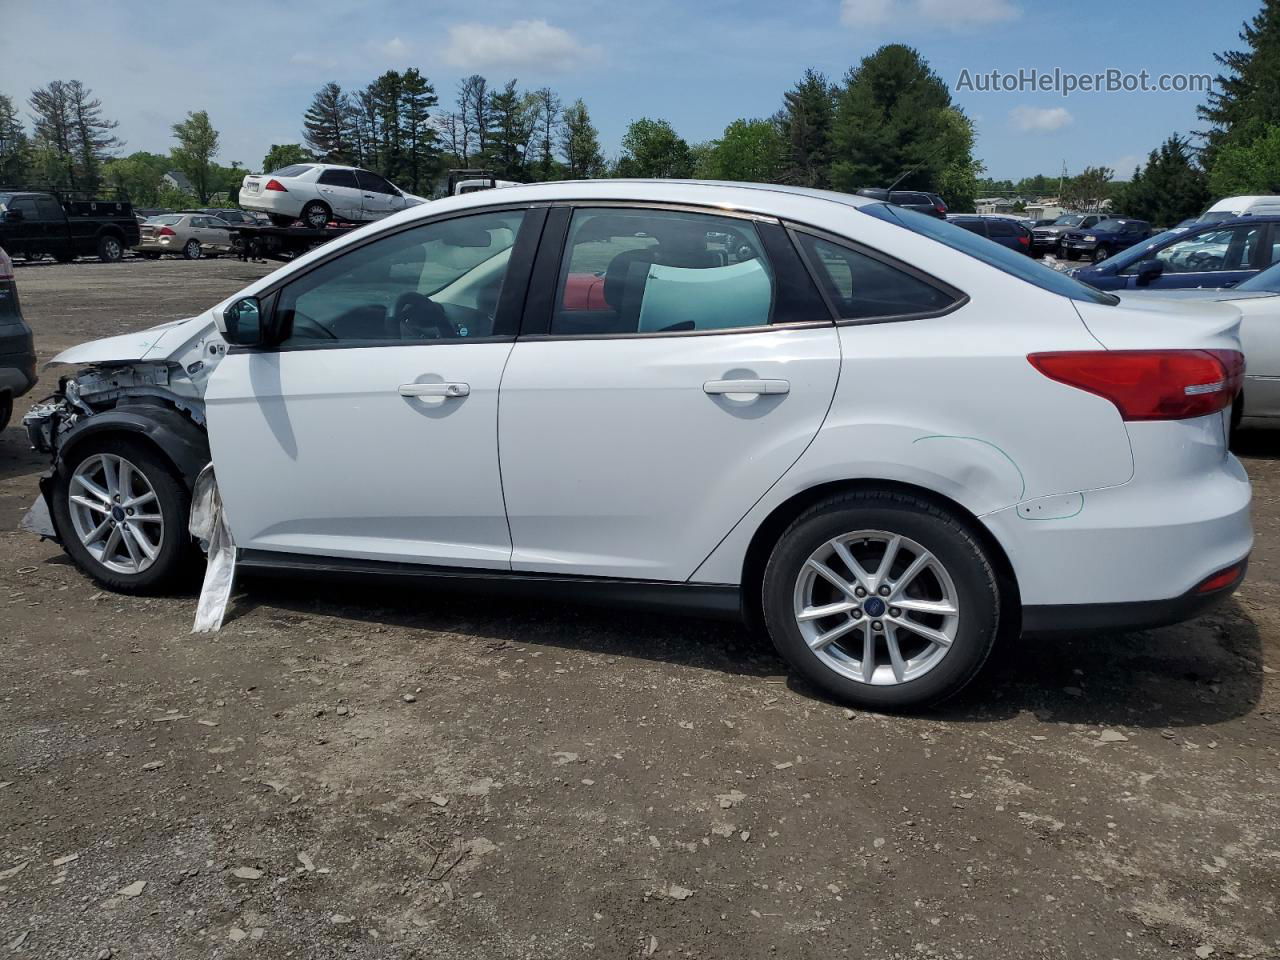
(316, 193)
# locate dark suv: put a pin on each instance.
(1104, 238)
(17, 355)
(917, 200)
(1048, 238)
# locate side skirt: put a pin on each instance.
(719, 600)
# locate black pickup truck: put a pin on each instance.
(34, 225)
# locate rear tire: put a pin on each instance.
(316, 214)
(110, 249)
(938, 562)
(171, 502)
(191, 250)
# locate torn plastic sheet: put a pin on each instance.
(209, 526)
(37, 520)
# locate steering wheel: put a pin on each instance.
(421, 318)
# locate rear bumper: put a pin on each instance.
(17, 363)
(287, 204)
(1133, 615)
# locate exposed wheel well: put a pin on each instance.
(776, 523)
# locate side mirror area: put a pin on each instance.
(1148, 270)
(243, 323)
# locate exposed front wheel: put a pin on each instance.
(316, 214)
(122, 514)
(1101, 253)
(191, 250)
(882, 599)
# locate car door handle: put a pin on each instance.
(369, 196)
(715, 387)
(435, 389)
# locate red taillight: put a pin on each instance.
(1224, 578)
(1151, 384)
(275, 185)
(165, 232)
(940, 208)
(1024, 239)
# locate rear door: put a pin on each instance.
(55, 229)
(339, 189)
(634, 433)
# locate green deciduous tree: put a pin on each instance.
(804, 123)
(651, 148)
(580, 143)
(749, 150)
(1169, 189)
(1247, 168)
(137, 177)
(284, 155)
(1088, 189)
(197, 146)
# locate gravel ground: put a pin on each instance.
(347, 772)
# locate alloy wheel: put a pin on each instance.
(876, 607)
(115, 513)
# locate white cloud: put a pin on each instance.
(1040, 119)
(395, 47)
(935, 13)
(525, 43)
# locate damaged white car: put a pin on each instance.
(883, 438)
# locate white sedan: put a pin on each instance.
(316, 193)
(886, 440)
(1258, 300)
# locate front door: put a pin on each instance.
(370, 430)
(638, 427)
(1214, 257)
(378, 196)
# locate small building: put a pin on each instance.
(177, 180)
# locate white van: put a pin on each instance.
(1242, 207)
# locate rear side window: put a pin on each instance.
(862, 287)
(26, 205)
(1002, 228)
(665, 271)
(972, 224)
(339, 178)
(1002, 258)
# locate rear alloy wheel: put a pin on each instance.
(191, 250)
(1101, 253)
(316, 214)
(884, 600)
(110, 249)
(121, 514)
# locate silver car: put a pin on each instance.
(189, 235)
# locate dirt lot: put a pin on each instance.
(349, 773)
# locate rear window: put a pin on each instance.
(168, 220)
(293, 170)
(992, 254)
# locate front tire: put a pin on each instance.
(1101, 253)
(884, 600)
(316, 214)
(191, 250)
(121, 513)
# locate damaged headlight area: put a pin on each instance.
(97, 389)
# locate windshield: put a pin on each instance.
(1014, 263)
(1216, 216)
(1268, 281)
(1071, 220)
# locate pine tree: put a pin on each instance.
(327, 125)
(1168, 190)
(473, 109)
(580, 143)
(91, 134)
(419, 139)
(14, 146)
(54, 134)
(547, 111)
(805, 123)
(887, 121)
(1247, 98)
(511, 125)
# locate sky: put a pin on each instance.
(255, 65)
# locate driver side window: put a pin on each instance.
(439, 281)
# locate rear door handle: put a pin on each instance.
(435, 389)
(715, 387)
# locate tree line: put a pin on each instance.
(889, 120)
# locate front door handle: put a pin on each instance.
(435, 389)
(771, 387)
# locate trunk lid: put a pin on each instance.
(1140, 323)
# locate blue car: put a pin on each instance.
(1219, 254)
(1003, 230)
(1103, 239)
